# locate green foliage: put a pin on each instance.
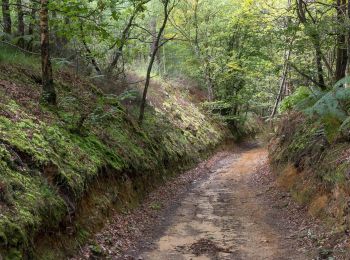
(342, 82)
(344, 129)
(234, 50)
(47, 166)
(293, 101)
(130, 95)
(329, 104)
(10, 55)
(331, 108)
(156, 206)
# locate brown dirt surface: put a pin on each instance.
(123, 231)
(229, 207)
(228, 210)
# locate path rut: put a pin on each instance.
(224, 217)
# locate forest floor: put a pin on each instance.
(229, 207)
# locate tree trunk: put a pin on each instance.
(209, 82)
(20, 26)
(164, 61)
(89, 52)
(319, 65)
(92, 58)
(153, 26)
(49, 93)
(342, 58)
(144, 96)
(32, 20)
(348, 46)
(31, 25)
(6, 16)
(153, 58)
(283, 83)
(315, 37)
(210, 90)
(118, 53)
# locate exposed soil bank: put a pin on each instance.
(223, 218)
(229, 207)
(123, 231)
(310, 159)
(64, 168)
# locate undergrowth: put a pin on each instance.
(9, 55)
(321, 159)
(52, 157)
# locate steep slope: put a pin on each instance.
(63, 168)
(314, 165)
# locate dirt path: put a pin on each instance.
(224, 217)
(228, 207)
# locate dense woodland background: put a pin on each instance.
(247, 55)
(132, 88)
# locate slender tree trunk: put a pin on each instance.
(209, 82)
(342, 58)
(20, 26)
(196, 40)
(315, 37)
(348, 45)
(210, 89)
(92, 58)
(319, 64)
(157, 45)
(49, 93)
(6, 16)
(118, 53)
(153, 29)
(153, 26)
(144, 96)
(283, 83)
(32, 20)
(89, 52)
(31, 25)
(164, 61)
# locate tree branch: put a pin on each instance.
(306, 76)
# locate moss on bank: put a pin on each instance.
(320, 160)
(61, 164)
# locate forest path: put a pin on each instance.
(224, 216)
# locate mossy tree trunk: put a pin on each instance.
(6, 16)
(348, 45)
(20, 23)
(342, 55)
(319, 65)
(32, 24)
(49, 93)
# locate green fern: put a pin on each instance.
(329, 105)
(291, 102)
(331, 108)
(342, 82)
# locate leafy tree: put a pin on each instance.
(168, 7)
(247, 55)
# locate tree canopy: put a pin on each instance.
(246, 55)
